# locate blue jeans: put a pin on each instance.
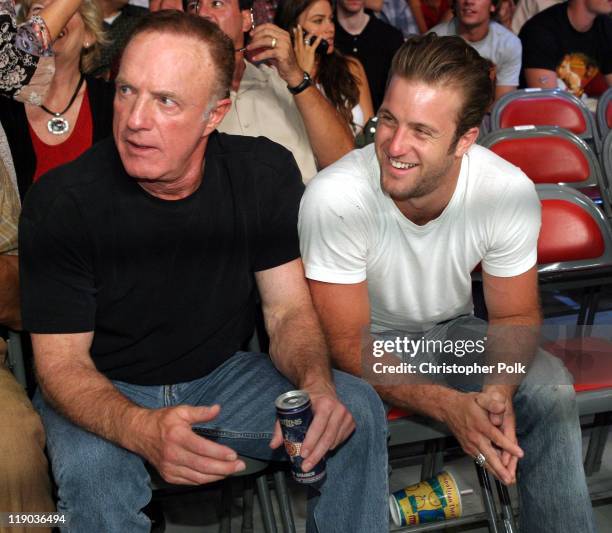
(553, 495)
(104, 487)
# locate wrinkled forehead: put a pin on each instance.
(169, 61)
(167, 46)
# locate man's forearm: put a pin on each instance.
(423, 398)
(329, 135)
(91, 401)
(298, 349)
(10, 311)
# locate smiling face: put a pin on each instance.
(474, 13)
(415, 138)
(72, 39)
(318, 19)
(161, 119)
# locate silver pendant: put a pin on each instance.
(58, 125)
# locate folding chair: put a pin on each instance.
(574, 247)
(255, 476)
(549, 154)
(604, 113)
(545, 107)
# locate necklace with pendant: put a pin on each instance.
(58, 125)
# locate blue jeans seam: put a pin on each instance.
(234, 434)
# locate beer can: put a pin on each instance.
(295, 415)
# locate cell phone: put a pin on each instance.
(323, 45)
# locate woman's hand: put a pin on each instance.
(305, 53)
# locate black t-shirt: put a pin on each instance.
(580, 59)
(375, 47)
(166, 286)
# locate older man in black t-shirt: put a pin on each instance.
(140, 262)
(569, 42)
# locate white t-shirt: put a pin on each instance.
(263, 106)
(500, 46)
(418, 276)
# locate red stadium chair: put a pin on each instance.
(574, 247)
(604, 113)
(545, 107)
(549, 154)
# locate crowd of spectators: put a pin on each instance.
(306, 74)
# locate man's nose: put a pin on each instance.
(205, 11)
(140, 115)
(399, 143)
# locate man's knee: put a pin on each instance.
(362, 401)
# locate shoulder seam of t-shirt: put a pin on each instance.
(251, 149)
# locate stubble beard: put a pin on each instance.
(427, 183)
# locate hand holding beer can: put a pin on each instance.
(295, 415)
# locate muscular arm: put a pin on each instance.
(344, 313)
(71, 383)
(514, 317)
(539, 77)
(298, 350)
(297, 347)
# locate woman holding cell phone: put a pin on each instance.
(340, 78)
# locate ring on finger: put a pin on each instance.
(480, 459)
(306, 41)
(274, 42)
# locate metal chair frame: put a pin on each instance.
(606, 158)
(605, 100)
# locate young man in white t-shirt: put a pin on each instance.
(390, 235)
(473, 21)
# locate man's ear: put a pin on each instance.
(216, 115)
(465, 141)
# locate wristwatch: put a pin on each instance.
(306, 82)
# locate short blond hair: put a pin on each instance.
(91, 14)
